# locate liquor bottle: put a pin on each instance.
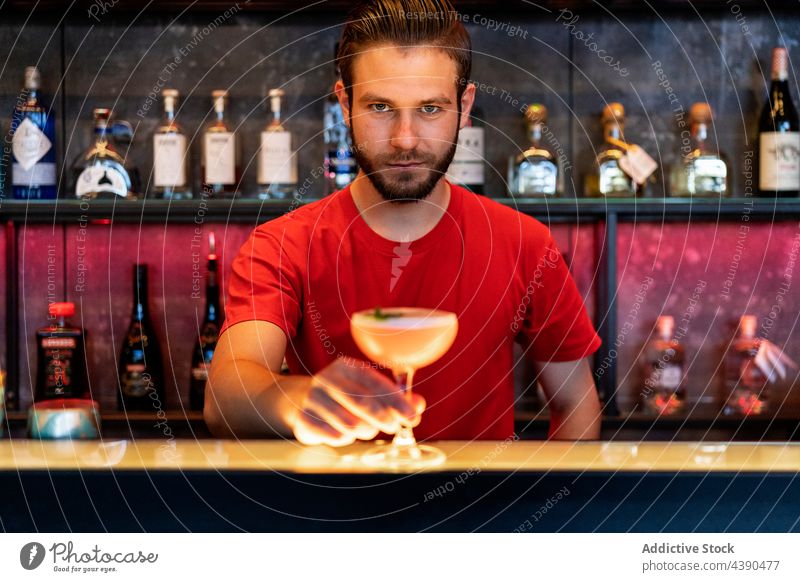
(467, 167)
(140, 365)
(534, 172)
(209, 333)
(610, 179)
(170, 154)
(663, 391)
(779, 135)
(101, 172)
(2, 399)
(277, 164)
(339, 166)
(703, 171)
(745, 383)
(33, 141)
(61, 370)
(220, 158)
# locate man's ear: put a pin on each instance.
(467, 99)
(344, 102)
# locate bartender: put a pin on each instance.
(400, 235)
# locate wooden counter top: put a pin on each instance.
(503, 456)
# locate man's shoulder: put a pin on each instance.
(303, 218)
(504, 220)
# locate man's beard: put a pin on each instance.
(405, 187)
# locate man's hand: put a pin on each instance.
(349, 400)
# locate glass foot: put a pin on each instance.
(395, 457)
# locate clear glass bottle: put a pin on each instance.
(220, 157)
(467, 168)
(663, 390)
(340, 167)
(704, 170)
(534, 172)
(610, 179)
(277, 163)
(170, 153)
(779, 135)
(101, 171)
(33, 143)
(746, 386)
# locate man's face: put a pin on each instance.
(404, 118)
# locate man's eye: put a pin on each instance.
(380, 107)
(430, 109)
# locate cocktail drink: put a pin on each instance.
(404, 339)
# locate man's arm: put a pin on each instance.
(572, 396)
(246, 395)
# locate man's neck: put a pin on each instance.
(399, 221)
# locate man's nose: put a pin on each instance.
(404, 133)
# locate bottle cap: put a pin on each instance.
(62, 309)
(33, 80)
(700, 113)
(275, 99)
(212, 249)
(219, 96)
(170, 97)
(665, 324)
(614, 112)
(536, 113)
(747, 326)
(780, 64)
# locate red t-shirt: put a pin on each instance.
(496, 268)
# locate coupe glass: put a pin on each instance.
(404, 339)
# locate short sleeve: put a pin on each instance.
(556, 327)
(264, 285)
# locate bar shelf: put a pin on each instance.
(256, 211)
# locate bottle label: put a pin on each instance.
(200, 372)
(537, 177)
(276, 164)
(220, 158)
(779, 161)
(59, 372)
(169, 160)
(668, 377)
(59, 342)
(29, 144)
(42, 174)
(638, 164)
(57, 353)
(468, 162)
(101, 180)
(135, 382)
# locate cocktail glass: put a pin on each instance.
(404, 339)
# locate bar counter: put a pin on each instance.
(502, 486)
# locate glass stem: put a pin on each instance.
(405, 436)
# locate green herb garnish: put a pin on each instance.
(378, 314)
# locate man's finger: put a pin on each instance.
(380, 387)
(309, 429)
(324, 406)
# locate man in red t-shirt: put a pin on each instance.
(400, 235)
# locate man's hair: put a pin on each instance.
(405, 23)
